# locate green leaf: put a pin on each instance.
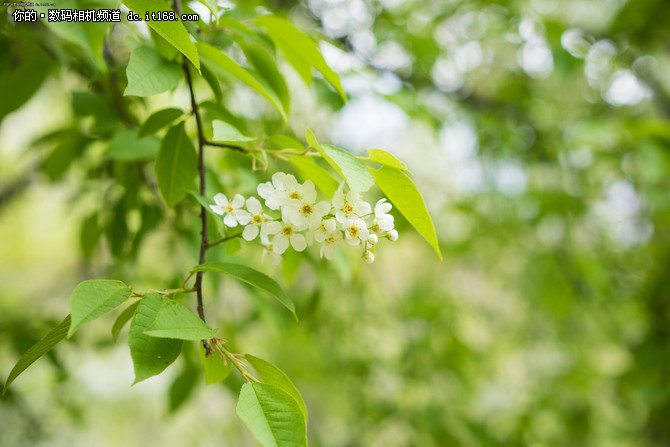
(176, 165)
(122, 319)
(402, 192)
(212, 81)
(125, 146)
(150, 355)
(94, 298)
(40, 348)
(300, 50)
(384, 158)
(267, 68)
(89, 235)
(215, 368)
(273, 416)
(274, 376)
(249, 276)
(158, 120)
(172, 31)
(174, 320)
(358, 177)
(150, 74)
(182, 387)
(225, 132)
(309, 170)
(219, 59)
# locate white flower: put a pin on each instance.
(271, 254)
(383, 220)
(276, 192)
(355, 231)
(368, 257)
(300, 209)
(289, 233)
(231, 211)
(373, 239)
(322, 229)
(259, 221)
(349, 206)
(392, 235)
(329, 243)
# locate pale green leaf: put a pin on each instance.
(384, 158)
(122, 319)
(249, 276)
(158, 120)
(402, 192)
(271, 375)
(176, 165)
(174, 320)
(273, 416)
(351, 169)
(46, 344)
(300, 50)
(126, 146)
(94, 298)
(309, 170)
(215, 368)
(150, 355)
(219, 59)
(225, 132)
(173, 31)
(150, 74)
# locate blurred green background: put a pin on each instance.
(538, 134)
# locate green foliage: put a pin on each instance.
(252, 277)
(149, 74)
(174, 320)
(94, 298)
(158, 120)
(226, 132)
(122, 319)
(176, 165)
(128, 145)
(271, 375)
(150, 355)
(310, 170)
(349, 167)
(215, 367)
(272, 415)
(223, 62)
(299, 50)
(172, 31)
(46, 344)
(400, 189)
(384, 158)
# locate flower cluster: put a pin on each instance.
(302, 220)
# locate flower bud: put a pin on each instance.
(368, 257)
(392, 235)
(373, 239)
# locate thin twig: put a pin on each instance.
(227, 146)
(222, 240)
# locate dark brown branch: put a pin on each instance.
(201, 172)
(227, 146)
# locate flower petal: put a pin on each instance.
(250, 232)
(221, 200)
(298, 242)
(280, 244)
(238, 201)
(271, 227)
(242, 216)
(254, 206)
(229, 220)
